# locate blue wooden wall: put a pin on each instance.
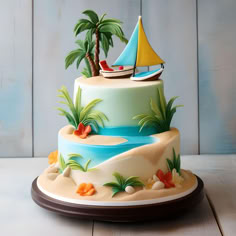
(197, 39)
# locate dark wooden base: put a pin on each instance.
(159, 211)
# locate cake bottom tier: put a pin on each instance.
(64, 189)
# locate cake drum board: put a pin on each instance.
(157, 211)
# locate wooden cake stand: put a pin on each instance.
(168, 209)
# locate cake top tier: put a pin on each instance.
(100, 81)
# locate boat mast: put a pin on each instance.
(140, 17)
(134, 67)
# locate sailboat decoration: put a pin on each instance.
(138, 53)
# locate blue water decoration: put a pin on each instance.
(127, 131)
(101, 153)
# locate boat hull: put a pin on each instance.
(117, 74)
(149, 77)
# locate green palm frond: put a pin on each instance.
(114, 29)
(162, 113)
(85, 111)
(121, 183)
(72, 56)
(65, 95)
(97, 116)
(78, 55)
(175, 163)
(74, 165)
(68, 116)
(87, 115)
(82, 25)
(92, 123)
(92, 15)
(78, 101)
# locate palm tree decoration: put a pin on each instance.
(79, 114)
(162, 113)
(84, 52)
(103, 29)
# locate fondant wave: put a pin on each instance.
(100, 153)
(142, 161)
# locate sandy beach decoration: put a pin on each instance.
(67, 188)
(84, 182)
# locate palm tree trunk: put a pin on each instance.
(95, 71)
(97, 51)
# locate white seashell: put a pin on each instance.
(158, 185)
(129, 189)
(52, 170)
(70, 130)
(66, 172)
(155, 178)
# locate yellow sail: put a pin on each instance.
(145, 54)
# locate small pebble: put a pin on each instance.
(66, 172)
(158, 185)
(155, 178)
(129, 189)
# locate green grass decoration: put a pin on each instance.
(175, 164)
(162, 113)
(74, 165)
(61, 163)
(122, 183)
(87, 115)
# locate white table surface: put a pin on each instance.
(216, 215)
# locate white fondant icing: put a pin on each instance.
(122, 98)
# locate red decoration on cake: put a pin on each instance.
(165, 178)
(82, 130)
(104, 66)
(121, 68)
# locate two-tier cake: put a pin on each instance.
(118, 149)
